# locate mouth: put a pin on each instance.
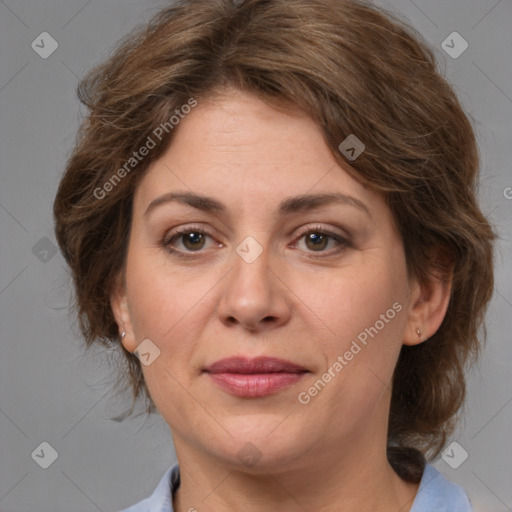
(254, 378)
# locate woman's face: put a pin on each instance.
(280, 272)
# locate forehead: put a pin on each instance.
(239, 148)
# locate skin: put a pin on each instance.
(296, 301)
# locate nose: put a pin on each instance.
(254, 295)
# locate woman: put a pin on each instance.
(271, 212)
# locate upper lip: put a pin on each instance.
(260, 364)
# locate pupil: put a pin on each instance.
(192, 239)
(317, 240)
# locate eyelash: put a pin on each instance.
(167, 241)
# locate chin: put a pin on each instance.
(262, 449)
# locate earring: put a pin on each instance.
(418, 332)
(123, 334)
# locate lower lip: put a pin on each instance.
(254, 385)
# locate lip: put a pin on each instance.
(254, 378)
(260, 364)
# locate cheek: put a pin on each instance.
(157, 295)
(167, 306)
(366, 304)
(367, 318)
(154, 303)
(162, 309)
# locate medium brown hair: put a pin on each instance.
(353, 69)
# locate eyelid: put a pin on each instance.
(322, 229)
(180, 230)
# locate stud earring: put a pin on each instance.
(123, 334)
(418, 332)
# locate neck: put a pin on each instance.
(360, 480)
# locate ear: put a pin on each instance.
(430, 300)
(121, 311)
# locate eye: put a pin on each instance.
(192, 239)
(317, 239)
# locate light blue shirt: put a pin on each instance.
(435, 494)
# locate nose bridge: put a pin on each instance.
(251, 265)
(252, 295)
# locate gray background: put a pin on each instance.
(50, 392)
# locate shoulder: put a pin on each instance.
(438, 494)
(161, 499)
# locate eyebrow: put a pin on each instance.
(288, 206)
